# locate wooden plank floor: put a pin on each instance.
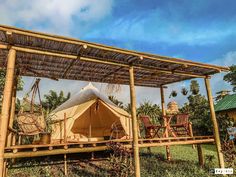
(21, 151)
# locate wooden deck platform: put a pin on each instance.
(22, 151)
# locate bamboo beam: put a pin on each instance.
(97, 60)
(57, 151)
(134, 123)
(141, 55)
(54, 152)
(38, 73)
(214, 122)
(68, 68)
(6, 105)
(176, 143)
(171, 139)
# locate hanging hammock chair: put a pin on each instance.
(30, 118)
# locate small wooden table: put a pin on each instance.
(169, 130)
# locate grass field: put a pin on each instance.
(184, 163)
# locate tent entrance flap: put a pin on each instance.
(99, 116)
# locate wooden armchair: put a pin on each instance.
(182, 127)
(151, 130)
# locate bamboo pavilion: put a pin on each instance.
(28, 53)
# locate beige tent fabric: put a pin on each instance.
(88, 110)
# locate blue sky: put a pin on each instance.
(198, 30)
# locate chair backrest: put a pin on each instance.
(146, 121)
(182, 118)
(31, 123)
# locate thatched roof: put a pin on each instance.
(44, 55)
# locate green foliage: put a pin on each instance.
(2, 81)
(198, 109)
(229, 152)
(128, 108)
(52, 100)
(116, 101)
(224, 122)
(194, 87)
(231, 77)
(152, 110)
(221, 94)
(121, 161)
(20, 84)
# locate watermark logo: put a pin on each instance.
(222, 171)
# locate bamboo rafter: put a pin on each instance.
(59, 55)
(103, 47)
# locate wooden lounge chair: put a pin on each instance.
(182, 127)
(151, 130)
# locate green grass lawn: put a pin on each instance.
(184, 163)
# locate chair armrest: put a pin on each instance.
(12, 130)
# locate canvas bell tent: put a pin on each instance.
(88, 115)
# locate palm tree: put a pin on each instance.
(151, 110)
(52, 100)
(128, 108)
(20, 84)
(116, 101)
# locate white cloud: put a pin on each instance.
(54, 15)
(217, 81)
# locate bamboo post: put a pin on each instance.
(13, 140)
(191, 132)
(163, 101)
(90, 126)
(6, 105)
(5, 168)
(65, 141)
(65, 136)
(130, 129)
(134, 123)
(65, 165)
(61, 137)
(90, 132)
(168, 156)
(19, 139)
(200, 155)
(215, 125)
(13, 109)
